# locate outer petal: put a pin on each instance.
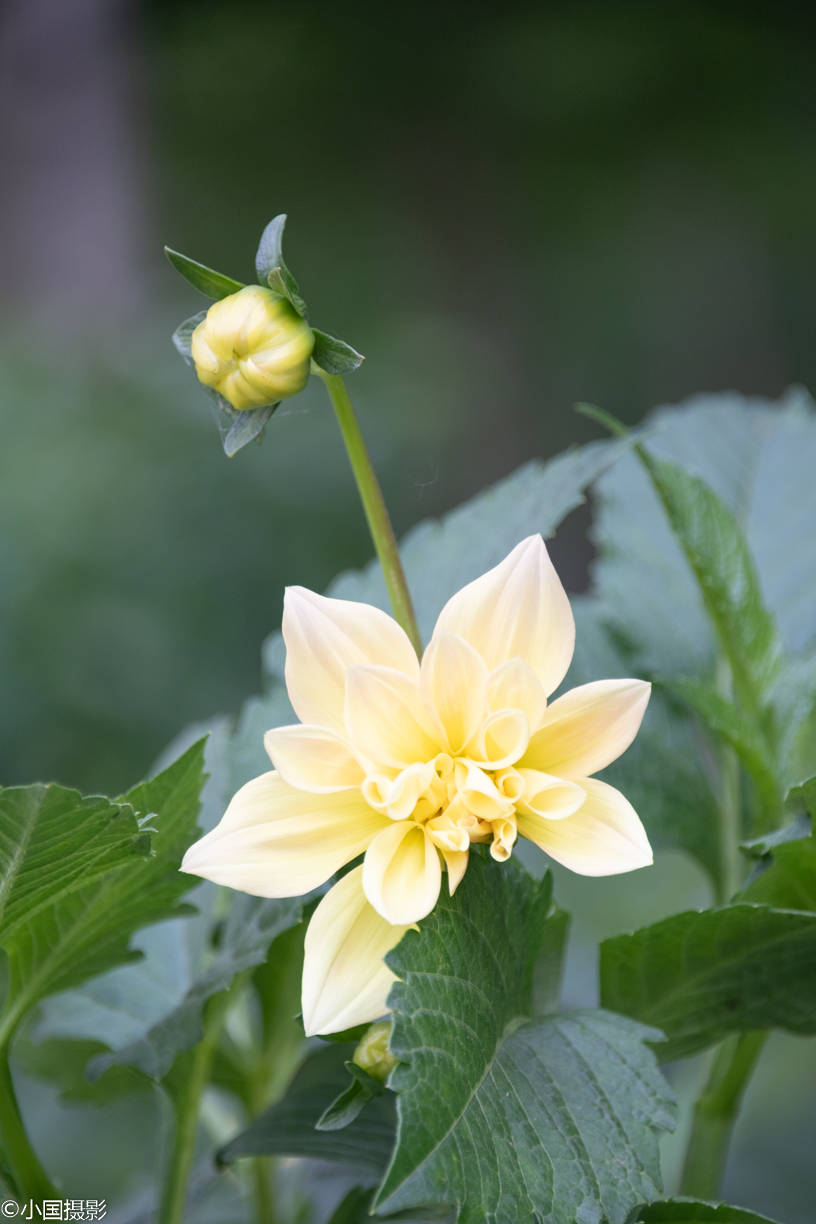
(386, 718)
(276, 841)
(515, 686)
(313, 759)
(456, 862)
(453, 682)
(402, 873)
(604, 837)
(588, 727)
(519, 609)
(344, 979)
(324, 638)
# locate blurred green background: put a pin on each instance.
(506, 208)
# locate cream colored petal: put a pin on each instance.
(502, 740)
(456, 862)
(604, 837)
(515, 686)
(453, 682)
(505, 833)
(548, 798)
(386, 719)
(517, 610)
(402, 873)
(588, 727)
(324, 638)
(345, 981)
(313, 758)
(276, 841)
(480, 795)
(404, 791)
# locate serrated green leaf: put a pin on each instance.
(271, 268)
(718, 554)
(212, 284)
(252, 925)
(693, 1211)
(182, 336)
(333, 355)
(288, 1128)
(727, 722)
(699, 976)
(52, 842)
(505, 1118)
(87, 931)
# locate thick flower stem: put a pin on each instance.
(30, 1179)
(379, 523)
(189, 1078)
(716, 1112)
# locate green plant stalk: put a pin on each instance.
(716, 1112)
(30, 1179)
(262, 1189)
(193, 1071)
(730, 825)
(379, 523)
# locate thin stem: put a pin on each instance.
(262, 1190)
(30, 1179)
(730, 820)
(716, 1112)
(379, 524)
(191, 1076)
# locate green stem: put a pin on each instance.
(191, 1075)
(730, 821)
(379, 524)
(715, 1114)
(30, 1179)
(262, 1190)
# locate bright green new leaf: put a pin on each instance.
(209, 282)
(789, 881)
(804, 797)
(693, 1211)
(505, 1117)
(699, 976)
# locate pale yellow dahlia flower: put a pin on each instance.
(409, 764)
(253, 348)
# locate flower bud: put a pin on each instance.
(373, 1054)
(253, 348)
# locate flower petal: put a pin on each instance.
(313, 758)
(402, 873)
(345, 981)
(456, 862)
(502, 740)
(276, 841)
(386, 718)
(604, 837)
(324, 638)
(519, 609)
(515, 686)
(588, 727)
(548, 798)
(453, 682)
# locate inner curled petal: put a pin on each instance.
(548, 797)
(502, 740)
(479, 793)
(405, 790)
(504, 838)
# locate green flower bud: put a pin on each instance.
(253, 348)
(373, 1054)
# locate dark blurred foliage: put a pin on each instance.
(507, 208)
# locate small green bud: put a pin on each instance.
(373, 1054)
(253, 348)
